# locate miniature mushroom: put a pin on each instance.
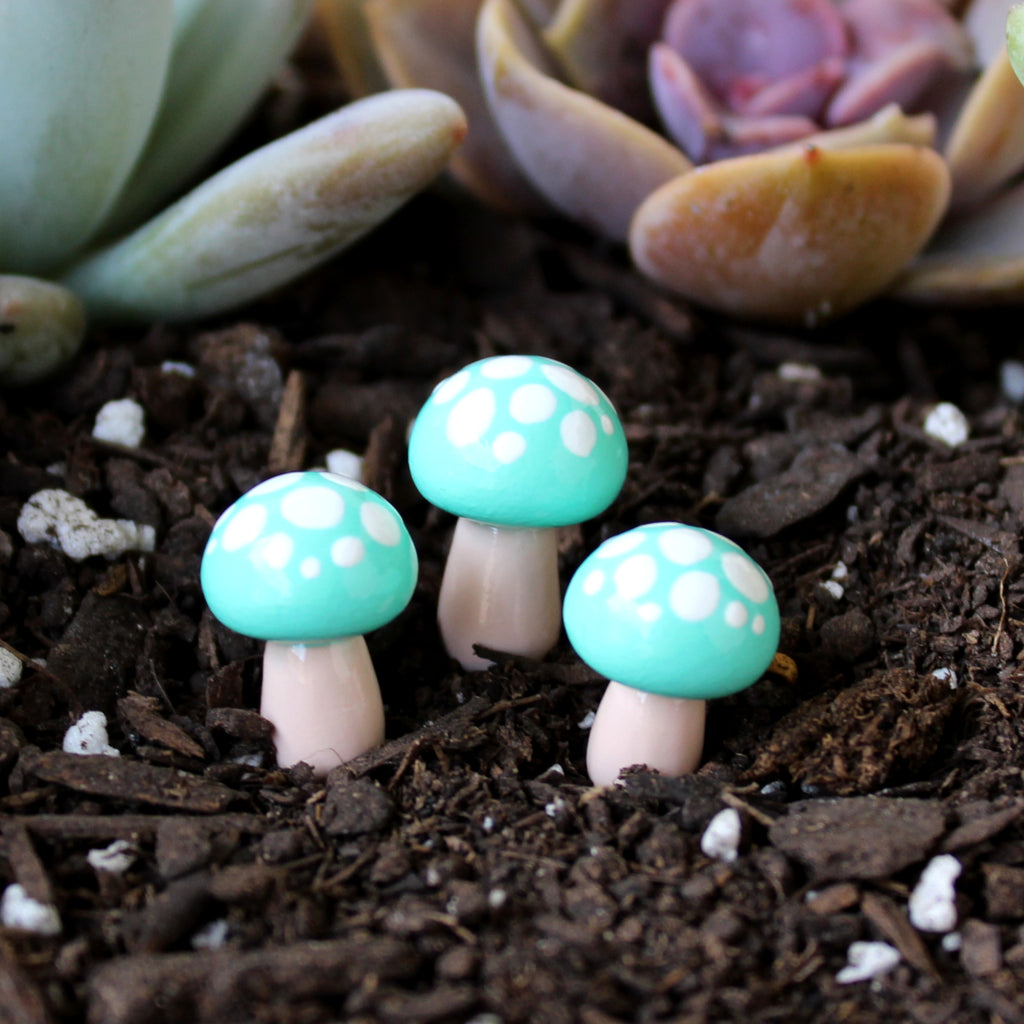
(674, 615)
(515, 446)
(310, 562)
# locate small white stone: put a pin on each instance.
(721, 838)
(115, 859)
(10, 668)
(947, 675)
(1011, 380)
(122, 421)
(181, 369)
(834, 588)
(211, 936)
(952, 942)
(800, 372)
(487, 824)
(840, 571)
(496, 898)
(89, 736)
(867, 960)
(946, 423)
(345, 463)
(587, 721)
(65, 522)
(932, 904)
(19, 910)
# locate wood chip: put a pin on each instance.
(20, 999)
(838, 839)
(130, 782)
(892, 921)
(288, 444)
(141, 716)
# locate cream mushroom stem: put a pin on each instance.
(323, 701)
(635, 727)
(500, 589)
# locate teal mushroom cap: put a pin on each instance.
(674, 610)
(520, 441)
(309, 558)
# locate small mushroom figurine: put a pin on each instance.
(515, 446)
(310, 562)
(674, 615)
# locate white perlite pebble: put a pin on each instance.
(65, 522)
(10, 668)
(89, 736)
(932, 904)
(946, 675)
(345, 463)
(721, 838)
(181, 369)
(834, 588)
(121, 422)
(948, 424)
(212, 936)
(19, 910)
(801, 372)
(1011, 380)
(114, 859)
(867, 960)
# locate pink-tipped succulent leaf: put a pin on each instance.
(738, 76)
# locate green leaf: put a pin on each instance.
(225, 54)
(277, 212)
(1015, 39)
(80, 84)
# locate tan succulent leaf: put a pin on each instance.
(976, 258)
(591, 162)
(793, 236)
(41, 327)
(601, 46)
(348, 34)
(986, 147)
(430, 44)
(890, 124)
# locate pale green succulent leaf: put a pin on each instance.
(41, 327)
(225, 54)
(80, 84)
(277, 212)
(1015, 39)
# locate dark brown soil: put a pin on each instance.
(466, 871)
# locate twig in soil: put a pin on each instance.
(1002, 606)
(106, 827)
(405, 748)
(25, 864)
(893, 924)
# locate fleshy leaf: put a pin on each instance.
(348, 34)
(277, 212)
(80, 84)
(224, 56)
(986, 148)
(593, 163)
(601, 45)
(430, 44)
(41, 327)
(977, 258)
(797, 235)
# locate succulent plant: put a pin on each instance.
(112, 106)
(825, 151)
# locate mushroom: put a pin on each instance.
(310, 562)
(515, 446)
(674, 615)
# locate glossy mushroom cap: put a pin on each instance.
(518, 441)
(308, 558)
(673, 610)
